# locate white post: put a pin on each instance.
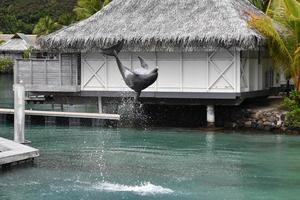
(100, 110)
(19, 113)
(210, 116)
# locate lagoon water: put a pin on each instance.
(113, 164)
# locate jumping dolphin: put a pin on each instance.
(138, 79)
(110, 51)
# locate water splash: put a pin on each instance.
(143, 189)
(132, 113)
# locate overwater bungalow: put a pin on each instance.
(206, 52)
(5, 37)
(15, 45)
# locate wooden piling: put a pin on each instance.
(100, 106)
(210, 116)
(74, 121)
(50, 121)
(19, 113)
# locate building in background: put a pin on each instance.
(206, 52)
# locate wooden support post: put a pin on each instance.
(98, 123)
(2, 118)
(50, 121)
(100, 106)
(19, 113)
(28, 119)
(74, 121)
(210, 116)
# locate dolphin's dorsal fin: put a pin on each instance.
(143, 63)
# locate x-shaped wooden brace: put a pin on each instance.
(221, 74)
(94, 74)
(243, 75)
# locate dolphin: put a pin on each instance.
(110, 51)
(138, 79)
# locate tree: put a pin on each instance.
(86, 8)
(281, 25)
(261, 4)
(10, 24)
(66, 19)
(45, 26)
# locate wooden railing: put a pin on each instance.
(59, 75)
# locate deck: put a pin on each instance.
(11, 152)
(54, 75)
(103, 116)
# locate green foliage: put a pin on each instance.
(27, 53)
(45, 26)
(1, 41)
(86, 8)
(261, 4)
(292, 118)
(66, 19)
(6, 65)
(282, 27)
(10, 24)
(22, 15)
(292, 104)
(292, 101)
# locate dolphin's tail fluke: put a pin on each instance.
(113, 50)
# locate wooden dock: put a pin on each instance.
(103, 116)
(11, 152)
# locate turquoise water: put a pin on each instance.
(112, 164)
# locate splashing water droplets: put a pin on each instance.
(132, 113)
(143, 189)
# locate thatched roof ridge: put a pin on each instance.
(162, 24)
(20, 42)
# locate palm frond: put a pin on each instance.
(277, 43)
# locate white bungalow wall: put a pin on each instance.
(257, 71)
(214, 71)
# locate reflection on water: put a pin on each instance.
(95, 163)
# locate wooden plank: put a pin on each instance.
(60, 68)
(51, 88)
(207, 71)
(71, 70)
(106, 71)
(156, 65)
(16, 66)
(65, 114)
(14, 152)
(31, 72)
(238, 66)
(181, 71)
(45, 72)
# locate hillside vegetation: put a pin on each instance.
(23, 15)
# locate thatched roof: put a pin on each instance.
(5, 37)
(162, 24)
(19, 42)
